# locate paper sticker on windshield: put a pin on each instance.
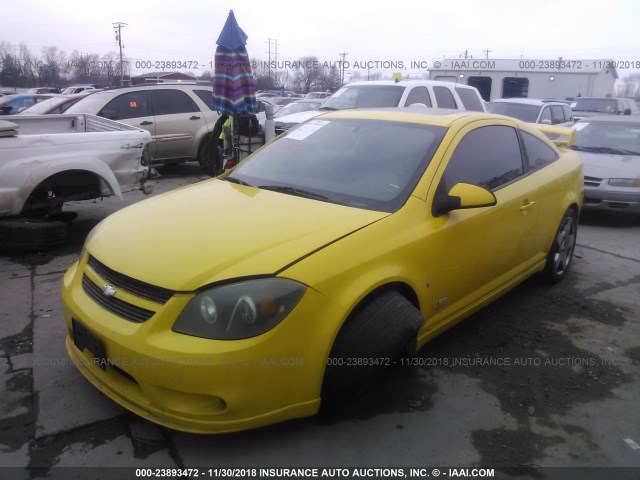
(579, 126)
(307, 129)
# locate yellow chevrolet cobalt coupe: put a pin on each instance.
(278, 289)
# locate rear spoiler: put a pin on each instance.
(560, 136)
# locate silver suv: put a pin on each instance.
(179, 117)
(547, 112)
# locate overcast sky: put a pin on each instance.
(368, 31)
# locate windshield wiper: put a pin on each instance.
(293, 191)
(612, 151)
(327, 108)
(238, 181)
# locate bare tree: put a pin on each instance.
(308, 74)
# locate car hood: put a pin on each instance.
(299, 117)
(217, 230)
(605, 165)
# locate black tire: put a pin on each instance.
(31, 234)
(384, 329)
(561, 254)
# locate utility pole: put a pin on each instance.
(119, 25)
(343, 55)
(275, 42)
(487, 52)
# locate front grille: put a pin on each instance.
(592, 181)
(131, 285)
(115, 305)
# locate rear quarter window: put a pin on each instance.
(470, 99)
(537, 152)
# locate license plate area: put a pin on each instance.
(84, 338)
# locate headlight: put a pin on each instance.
(239, 310)
(624, 182)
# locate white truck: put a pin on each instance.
(48, 160)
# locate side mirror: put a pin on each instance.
(462, 196)
(627, 111)
(6, 110)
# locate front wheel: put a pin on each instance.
(370, 340)
(561, 253)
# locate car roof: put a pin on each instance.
(611, 119)
(528, 101)
(156, 86)
(409, 83)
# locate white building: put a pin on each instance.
(554, 79)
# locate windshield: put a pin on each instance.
(608, 137)
(521, 111)
(91, 103)
(364, 96)
(602, 105)
(370, 164)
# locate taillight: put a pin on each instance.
(229, 165)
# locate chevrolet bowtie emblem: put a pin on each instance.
(108, 290)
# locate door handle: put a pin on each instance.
(195, 117)
(527, 206)
(146, 122)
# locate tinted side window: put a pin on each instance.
(568, 115)
(206, 96)
(469, 99)
(557, 115)
(127, 105)
(444, 97)
(167, 102)
(538, 153)
(487, 156)
(418, 95)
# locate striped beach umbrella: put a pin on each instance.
(234, 90)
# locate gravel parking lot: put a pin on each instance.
(548, 376)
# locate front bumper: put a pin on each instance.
(194, 384)
(600, 196)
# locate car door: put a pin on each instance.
(178, 121)
(132, 108)
(485, 248)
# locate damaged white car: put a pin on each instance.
(48, 160)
